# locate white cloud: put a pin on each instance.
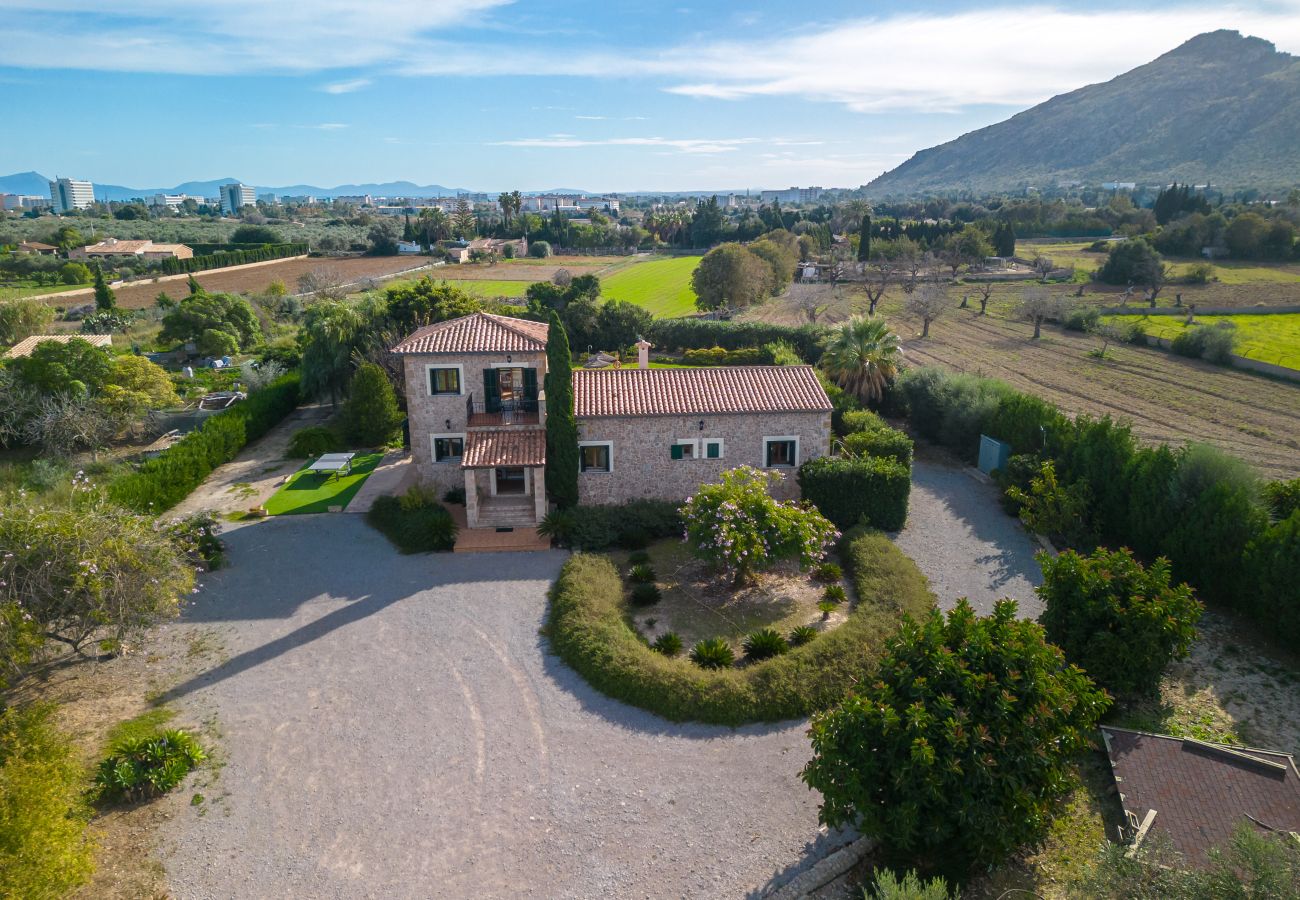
(682, 145)
(326, 126)
(347, 87)
(591, 118)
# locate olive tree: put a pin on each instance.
(927, 303)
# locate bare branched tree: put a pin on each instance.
(1157, 277)
(1038, 304)
(877, 283)
(1043, 265)
(985, 290)
(323, 284)
(1109, 333)
(808, 300)
(927, 303)
(63, 424)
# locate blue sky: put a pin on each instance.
(494, 94)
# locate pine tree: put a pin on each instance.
(370, 415)
(105, 299)
(864, 240)
(561, 427)
(1004, 239)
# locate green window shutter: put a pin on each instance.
(712, 450)
(677, 451)
(491, 393)
(530, 384)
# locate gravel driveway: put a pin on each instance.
(958, 534)
(393, 727)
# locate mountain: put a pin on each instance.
(36, 183)
(1221, 108)
(28, 183)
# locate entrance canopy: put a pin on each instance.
(493, 449)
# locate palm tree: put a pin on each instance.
(862, 356)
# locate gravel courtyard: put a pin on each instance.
(966, 545)
(393, 726)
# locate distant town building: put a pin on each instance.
(14, 202)
(172, 201)
(38, 248)
(299, 199)
(408, 247)
(68, 194)
(792, 195)
(111, 247)
(235, 197)
(1118, 185)
(268, 199)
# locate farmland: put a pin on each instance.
(26, 289)
(140, 295)
(1167, 397)
(662, 286)
(1273, 338)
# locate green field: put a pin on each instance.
(1075, 253)
(662, 286)
(1272, 339)
(14, 291)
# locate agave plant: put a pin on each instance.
(764, 644)
(802, 634)
(713, 653)
(668, 643)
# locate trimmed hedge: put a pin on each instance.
(884, 442)
(167, 479)
(413, 528)
(631, 525)
(697, 334)
(222, 258)
(588, 628)
(871, 490)
(717, 356)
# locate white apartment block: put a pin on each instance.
(235, 197)
(792, 195)
(68, 194)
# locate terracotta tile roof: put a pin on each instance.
(1200, 791)
(36, 246)
(114, 247)
(477, 333)
(27, 345)
(715, 389)
(488, 449)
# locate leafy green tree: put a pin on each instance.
(426, 301)
(960, 746)
(67, 237)
(707, 225)
(862, 356)
(255, 234)
(75, 273)
(53, 368)
(1004, 239)
(330, 332)
(1122, 623)
(1133, 261)
(136, 384)
(729, 277)
(539, 249)
(105, 299)
(781, 260)
(1273, 560)
(216, 343)
(738, 526)
(561, 426)
(196, 315)
(131, 212)
(619, 323)
(370, 415)
(383, 239)
(864, 240)
(22, 318)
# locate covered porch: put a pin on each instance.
(505, 478)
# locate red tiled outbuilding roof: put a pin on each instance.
(489, 449)
(28, 344)
(715, 389)
(477, 333)
(1200, 792)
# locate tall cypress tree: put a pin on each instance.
(561, 426)
(864, 240)
(105, 299)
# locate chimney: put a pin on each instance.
(643, 353)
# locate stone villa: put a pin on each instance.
(478, 417)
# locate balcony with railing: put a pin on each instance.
(502, 412)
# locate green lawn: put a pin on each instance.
(1272, 339)
(661, 285)
(15, 291)
(1075, 253)
(308, 492)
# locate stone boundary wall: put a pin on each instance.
(1241, 362)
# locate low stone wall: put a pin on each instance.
(1241, 362)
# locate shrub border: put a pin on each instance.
(589, 629)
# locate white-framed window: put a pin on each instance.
(781, 451)
(595, 456)
(445, 380)
(447, 448)
(713, 448)
(685, 448)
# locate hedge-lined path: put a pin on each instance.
(253, 476)
(958, 535)
(394, 726)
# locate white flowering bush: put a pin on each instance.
(739, 527)
(81, 570)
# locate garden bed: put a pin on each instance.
(590, 627)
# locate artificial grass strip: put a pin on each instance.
(309, 492)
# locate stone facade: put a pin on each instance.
(431, 414)
(643, 466)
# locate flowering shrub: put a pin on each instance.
(740, 528)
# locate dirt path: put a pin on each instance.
(394, 726)
(252, 477)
